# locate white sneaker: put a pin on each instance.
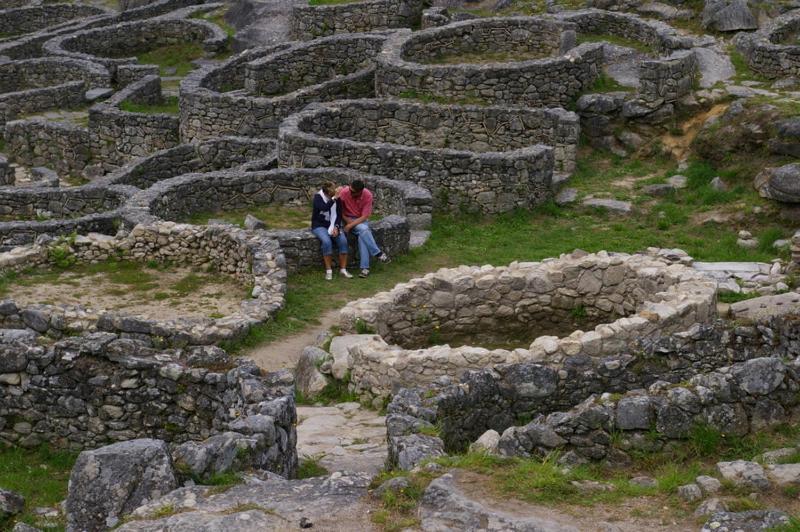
(364, 273)
(329, 275)
(344, 273)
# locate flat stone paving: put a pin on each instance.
(347, 436)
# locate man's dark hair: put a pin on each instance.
(357, 185)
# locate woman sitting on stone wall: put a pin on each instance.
(326, 224)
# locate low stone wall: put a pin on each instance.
(449, 150)
(6, 172)
(61, 146)
(637, 296)
(667, 80)
(34, 85)
(33, 19)
(118, 44)
(252, 93)
(116, 136)
(660, 36)
(737, 400)
(552, 81)
(771, 51)
(253, 259)
(25, 203)
(85, 392)
(205, 156)
(311, 22)
(403, 205)
(30, 46)
(498, 397)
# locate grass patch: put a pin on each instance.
(168, 106)
(605, 83)
(742, 68)
(40, 475)
(398, 508)
(273, 215)
(217, 17)
(310, 467)
(338, 391)
(732, 297)
(174, 56)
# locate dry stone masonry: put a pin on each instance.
(621, 298)
(554, 77)
(311, 22)
(773, 50)
(487, 159)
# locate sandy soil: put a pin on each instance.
(220, 296)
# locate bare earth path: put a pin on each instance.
(286, 352)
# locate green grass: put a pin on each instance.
(273, 215)
(178, 56)
(310, 467)
(743, 70)
(337, 391)
(168, 106)
(39, 475)
(732, 297)
(605, 83)
(217, 17)
(617, 40)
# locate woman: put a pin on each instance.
(326, 224)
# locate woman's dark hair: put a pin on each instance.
(357, 185)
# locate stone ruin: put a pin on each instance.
(466, 114)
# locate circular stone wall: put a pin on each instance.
(34, 85)
(207, 156)
(773, 51)
(404, 205)
(38, 211)
(628, 297)
(405, 68)
(252, 93)
(33, 19)
(116, 45)
(488, 159)
(254, 260)
(313, 21)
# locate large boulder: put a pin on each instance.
(749, 475)
(783, 183)
(112, 481)
(728, 15)
(407, 452)
(340, 350)
(308, 378)
(11, 503)
(226, 452)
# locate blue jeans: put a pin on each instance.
(326, 241)
(366, 244)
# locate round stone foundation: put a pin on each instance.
(620, 298)
(487, 159)
(773, 50)
(516, 60)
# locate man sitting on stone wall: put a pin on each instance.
(356, 209)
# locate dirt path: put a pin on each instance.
(286, 352)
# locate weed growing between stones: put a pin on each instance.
(310, 467)
(39, 475)
(275, 216)
(168, 106)
(337, 391)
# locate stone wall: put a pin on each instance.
(117, 136)
(61, 146)
(33, 19)
(252, 93)
(311, 22)
(736, 400)
(34, 85)
(85, 392)
(667, 80)
(659, 36)
(6, 172)
(119, 44)
(771, 51)
(402, 205)
(630, 296)
(447, 149)
(498, 397)
(206, 156)
(30, 45)
(252, 259)
(26, 203)
(545, 82)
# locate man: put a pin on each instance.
(356, 210)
